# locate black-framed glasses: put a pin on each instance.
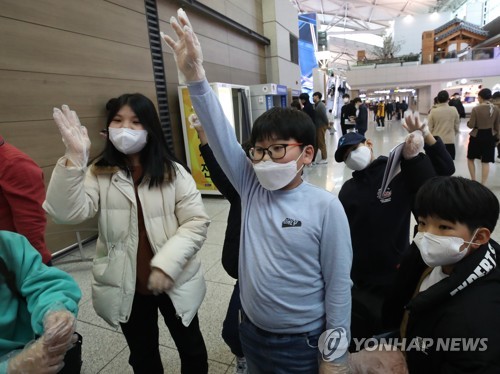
(275, 151)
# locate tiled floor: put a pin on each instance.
(105, 349)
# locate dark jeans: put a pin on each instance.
(380, 121)
(141, 333)
(366, 316)
(269, 353)
(451, 150)
(230, 327)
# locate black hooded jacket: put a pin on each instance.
(380, 229)
(463, 308)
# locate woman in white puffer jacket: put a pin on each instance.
(152, 223)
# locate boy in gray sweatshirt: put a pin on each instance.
(295, 252)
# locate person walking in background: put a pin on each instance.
(22, 192)
(151, 223)
(457, 103)
(398, 110)
(404, 108)
(361, 117)
(331, 122)
(347, 111)
(321, 126)
(381, 114)
(485, 124)
(495, 99)
(443, 121)
(307, 107)
(390, 110)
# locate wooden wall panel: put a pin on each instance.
(135, 5)
(249, 20)
(96, 18)
(42, 49)
(41, 140)
(32, 95)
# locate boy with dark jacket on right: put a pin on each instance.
(380, 226)
(448, 284)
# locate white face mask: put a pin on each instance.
(346, 100)
(128, 141)
(359, 158)
(273, 175)
(439, 250)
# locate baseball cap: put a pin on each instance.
(345, 142)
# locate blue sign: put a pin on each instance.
(283, 101)
(269, 102)
(280, 89)
(307, 56)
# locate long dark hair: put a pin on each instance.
(156, 159)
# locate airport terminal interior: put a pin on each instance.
(114, 359)
(258, 55)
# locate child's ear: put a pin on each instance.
(482, 236)
(308, 154)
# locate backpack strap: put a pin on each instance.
(10, 279)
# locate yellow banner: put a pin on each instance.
(197, 165)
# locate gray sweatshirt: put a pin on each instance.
(295, 249)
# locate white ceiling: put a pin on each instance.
(340, 17)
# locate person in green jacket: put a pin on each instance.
(36, 301)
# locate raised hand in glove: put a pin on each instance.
(196, 124)
(187, 49)
(413, 123)
(74, 136)
(414, 144)
(159, 282)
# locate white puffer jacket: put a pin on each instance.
(176, 224)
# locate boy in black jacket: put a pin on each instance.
(230, 248)
(447, 291)
(380, 227)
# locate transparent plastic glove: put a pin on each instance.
(36, 358)
(412, 123)
(159, 282)
(59, 331)
(331, 368)
(388, 360)
(74, 136)
(186, 50)
(414, 144)
(194, 122)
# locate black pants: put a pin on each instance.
(451, 150)
(141, 333)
